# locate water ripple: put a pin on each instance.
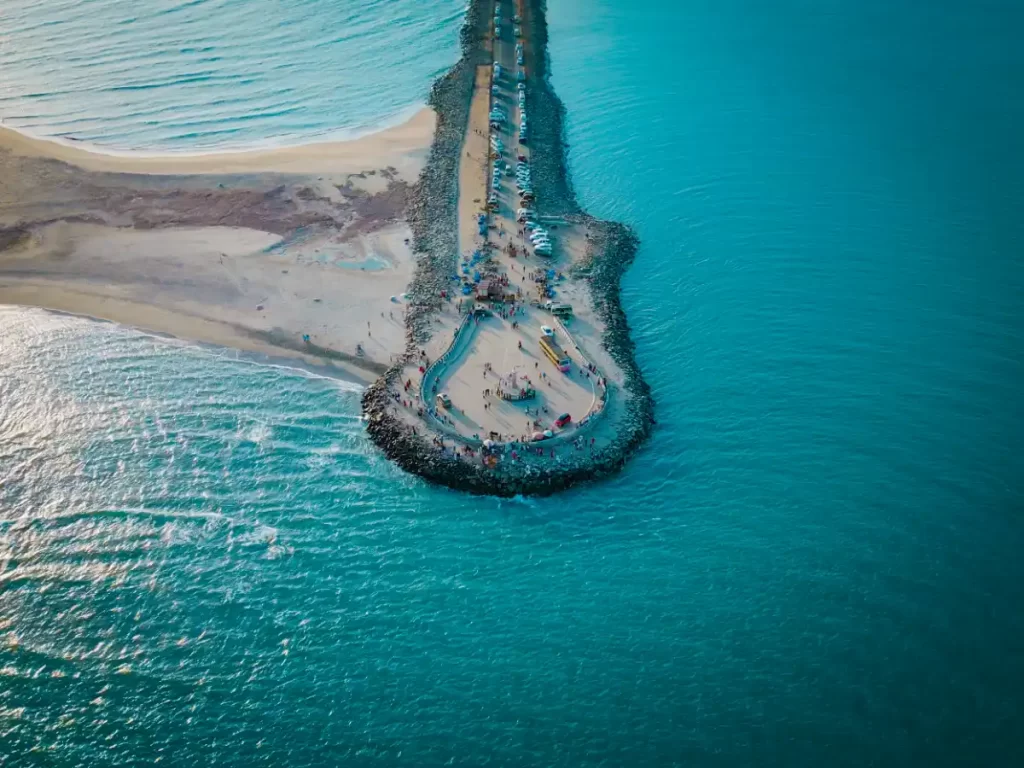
(89, 70)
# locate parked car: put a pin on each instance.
(558, 308)
(562, 420)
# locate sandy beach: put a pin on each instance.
(299, 251)
(402, 147)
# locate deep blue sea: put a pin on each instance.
(816, 561)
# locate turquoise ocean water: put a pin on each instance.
(815, 561)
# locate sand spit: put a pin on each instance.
(224, 249)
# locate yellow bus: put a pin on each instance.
(555, 353)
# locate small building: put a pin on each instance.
(514, 386)
(489, 290)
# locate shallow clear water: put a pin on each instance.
(183, 75)
(816, 560)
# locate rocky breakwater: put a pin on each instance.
(433, 213)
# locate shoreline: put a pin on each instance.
(339, 136)
(366, 151)
(190, 329)
(267, 355)
(436, 224)
(230, 286)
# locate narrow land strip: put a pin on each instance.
(496, 394)
(223, 250)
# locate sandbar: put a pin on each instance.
(301, 252)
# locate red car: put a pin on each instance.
(562, 420)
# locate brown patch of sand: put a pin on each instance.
(473, 162)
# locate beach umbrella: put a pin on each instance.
(548, 433)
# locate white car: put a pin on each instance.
(557, 307)
(547, 331)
